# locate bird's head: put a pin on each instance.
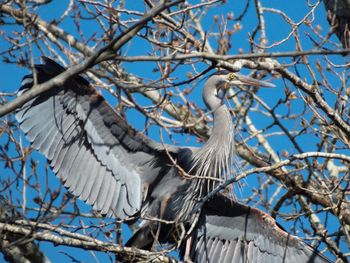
(217, 86)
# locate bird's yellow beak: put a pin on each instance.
(236, 79)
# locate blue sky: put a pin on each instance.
(11, 76)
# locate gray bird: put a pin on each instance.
(124, 174)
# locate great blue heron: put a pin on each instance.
(124, 174)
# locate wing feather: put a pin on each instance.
(122, 199)
(250, 251)
(68, 161)
(231, 232)
(237, 255)
(103, 193)
(230, 251)
(53, 150)
(48, 141)
(115, 199)
(79, 181)
(212, 248)
(108, 200)
(92, 199)
(223, 251)
(88, 182)
(217, 250)
(36, 130)
(92, 149)
(64, 146)
(78, 168)
(203, 245)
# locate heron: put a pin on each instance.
(126, 175)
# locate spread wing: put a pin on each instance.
(229, 232)
(89, 146)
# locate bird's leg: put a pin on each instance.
(187, 256)
(188, 236)
(182, 234)
(162, 209)
(194, 223)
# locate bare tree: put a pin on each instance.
(149, 59)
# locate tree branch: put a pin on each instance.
(17, 248)
(104, 53)
(127, 254)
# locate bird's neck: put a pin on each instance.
(222, 126)
(214, 159)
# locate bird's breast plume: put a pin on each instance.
(216, 157)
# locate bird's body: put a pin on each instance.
(105, 162)
(121, 172)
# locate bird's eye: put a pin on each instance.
(231, 76)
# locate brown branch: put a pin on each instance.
(309, 190)
(127, 254)
(312, 91)
(15, 248)
(215, 57)
(321, 230)
(103, 54)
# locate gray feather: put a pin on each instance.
(103, 192)
(252, 236)
(115, 199)
(88, 182)
(106, 206)
(72, 125)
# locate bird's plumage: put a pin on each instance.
(124, 174)
(229, 232)
(89, 146)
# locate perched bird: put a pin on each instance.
(124, 174)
